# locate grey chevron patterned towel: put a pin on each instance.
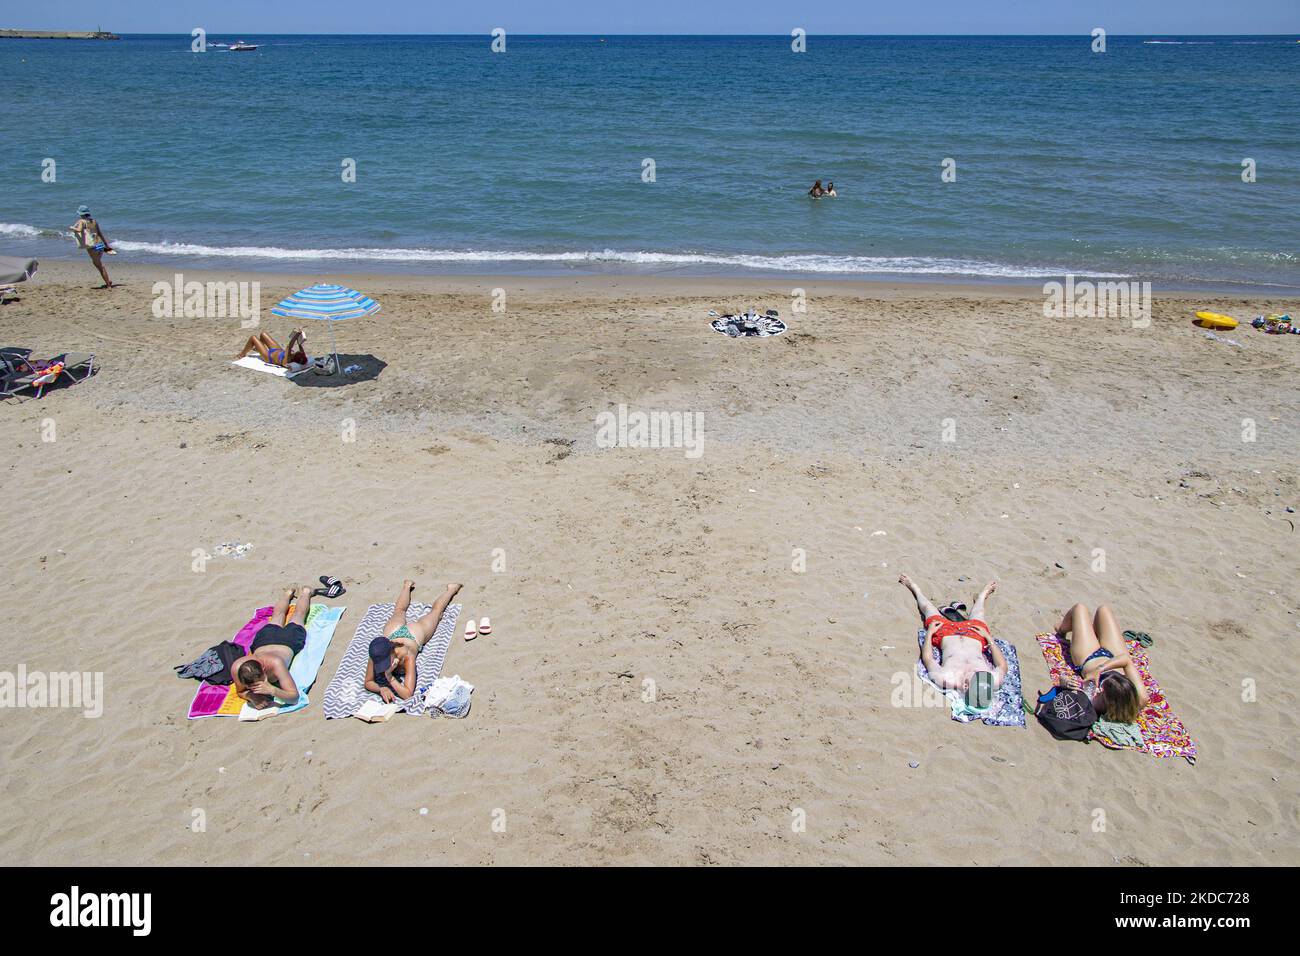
(347, 690)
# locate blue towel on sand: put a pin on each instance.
(1006, 709)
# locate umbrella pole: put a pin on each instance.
(338, 366)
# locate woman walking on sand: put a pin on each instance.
(91, 238)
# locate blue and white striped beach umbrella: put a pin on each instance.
(327, 303)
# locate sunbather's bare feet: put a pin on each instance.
(988, 589)
(408, 585)
(453, 589)
(906, 582)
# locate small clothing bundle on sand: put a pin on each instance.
(449, 696)
(1275, 324)
(748, 324)
(213, 665)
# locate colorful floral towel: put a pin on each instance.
(1163, 733)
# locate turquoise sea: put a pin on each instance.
(1127, 162)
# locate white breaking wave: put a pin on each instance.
(804, 263)
(842, 265)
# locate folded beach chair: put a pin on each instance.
(29, 373)
(13, 360)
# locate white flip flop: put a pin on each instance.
(471, 631)
(485, 626)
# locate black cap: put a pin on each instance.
(381, 653)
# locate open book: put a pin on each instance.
(374, 712)
(252, 713)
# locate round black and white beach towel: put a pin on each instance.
(748, 325)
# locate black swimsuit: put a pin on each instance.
(292, 636)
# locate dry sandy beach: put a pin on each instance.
(772, 687)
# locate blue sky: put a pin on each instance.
(1148, 17)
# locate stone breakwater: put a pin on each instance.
(55, 35)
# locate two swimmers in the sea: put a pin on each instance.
(819, 191)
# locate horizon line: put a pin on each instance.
(672, 34)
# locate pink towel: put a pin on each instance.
(209, 697)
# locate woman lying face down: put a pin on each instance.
(390, 671)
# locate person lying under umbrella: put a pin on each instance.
(292, 356)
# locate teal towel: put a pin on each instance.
(1126, 735)
(963, 711)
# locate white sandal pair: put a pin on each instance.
(473, 630)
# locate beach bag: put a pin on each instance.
(213, 665)
(1067, 714)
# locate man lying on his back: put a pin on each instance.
(262, 677)
(963, 644)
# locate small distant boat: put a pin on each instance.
(241, 46)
